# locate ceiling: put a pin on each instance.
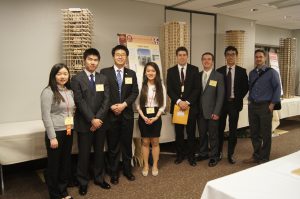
(276, 13)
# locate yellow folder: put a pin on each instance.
(179, 116)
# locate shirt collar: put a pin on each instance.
(180, 66)
(88, 73)
(208, 72)
(116, 69)
(262, 68)
(232, 67)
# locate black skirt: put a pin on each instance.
(147, 130)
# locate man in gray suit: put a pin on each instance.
(210, 106)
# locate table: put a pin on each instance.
(24, 141)
(272, 180)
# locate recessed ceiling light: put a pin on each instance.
(253, 9)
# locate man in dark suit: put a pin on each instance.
(210, 105)
(91, 95)
(236, 87)
(183, 89)
(123, 92)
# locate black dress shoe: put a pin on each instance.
(231, 160)
(178, 160)
(220, 156)
(82, 190)
(129, 176)
(192, 162)
(114, 180)
(103, 185)
(200, 158)
(212, 162)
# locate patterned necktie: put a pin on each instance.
(229, 83)
(204, 80)
(92, 82)
(119, 79)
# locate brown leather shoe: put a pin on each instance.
(251, 160)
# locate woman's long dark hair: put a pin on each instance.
(159, 97)
(53, 84)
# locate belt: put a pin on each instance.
(230, 99)
(260, 102)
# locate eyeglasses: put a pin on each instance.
(120, 55)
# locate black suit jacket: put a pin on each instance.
(191, 87)
(129, 92)
(89, 103)
(240, 85)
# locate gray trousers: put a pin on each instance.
(260, 122)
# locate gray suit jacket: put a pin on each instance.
(211, 98)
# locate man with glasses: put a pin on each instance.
(123, 92)
(236, 87)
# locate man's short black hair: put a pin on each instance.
(230, 48)
(181, 48)
(91, 51)
(260, 51)
(208, 53)
(119, 47)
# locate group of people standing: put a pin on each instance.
(99, 107)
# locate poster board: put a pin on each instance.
(142, 49)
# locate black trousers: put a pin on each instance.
(59, 165)
(232, 112)
(181, 149)
(87, 140)
(260, 122)
(119, 140)
(208, 135)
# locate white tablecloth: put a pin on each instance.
(272, 180)
(24, 141)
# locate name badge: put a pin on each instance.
(180, 113)
(128, 80)
(213, 83)
(150, 110)
(182, 89)
(69, 121)
(99, 87)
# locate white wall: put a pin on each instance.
(31, 44)
(225, 23)
(270, 35)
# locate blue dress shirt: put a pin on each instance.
(266, 88)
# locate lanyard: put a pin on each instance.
(67, 102)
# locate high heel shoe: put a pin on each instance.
(155, 172)
(145, 172)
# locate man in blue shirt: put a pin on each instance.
(264, 93)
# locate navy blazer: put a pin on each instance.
(89, 103)
(191, 87)
(129, 92)
(240, 85)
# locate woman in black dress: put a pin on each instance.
(151, 104)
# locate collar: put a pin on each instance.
(180, 66)
(116, 69)
(262, 68)
(207, 72)
(232, 67)
(88, 73)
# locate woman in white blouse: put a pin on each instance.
(151, 103)
(57, 106)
